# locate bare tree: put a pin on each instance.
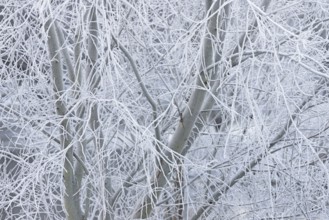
(164, 109)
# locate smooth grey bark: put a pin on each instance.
(191, 112)
(204, 102)
(74, 75)
(196, 101)
(65, 53)
(93, 79)
(224, 70)
(71, 203)
(81, 145)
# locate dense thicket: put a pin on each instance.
(185, 109)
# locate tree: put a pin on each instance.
(164, 110)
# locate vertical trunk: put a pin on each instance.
(191, 112)
(71, 203)
(94, 79)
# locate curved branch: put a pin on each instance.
(144, 90)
